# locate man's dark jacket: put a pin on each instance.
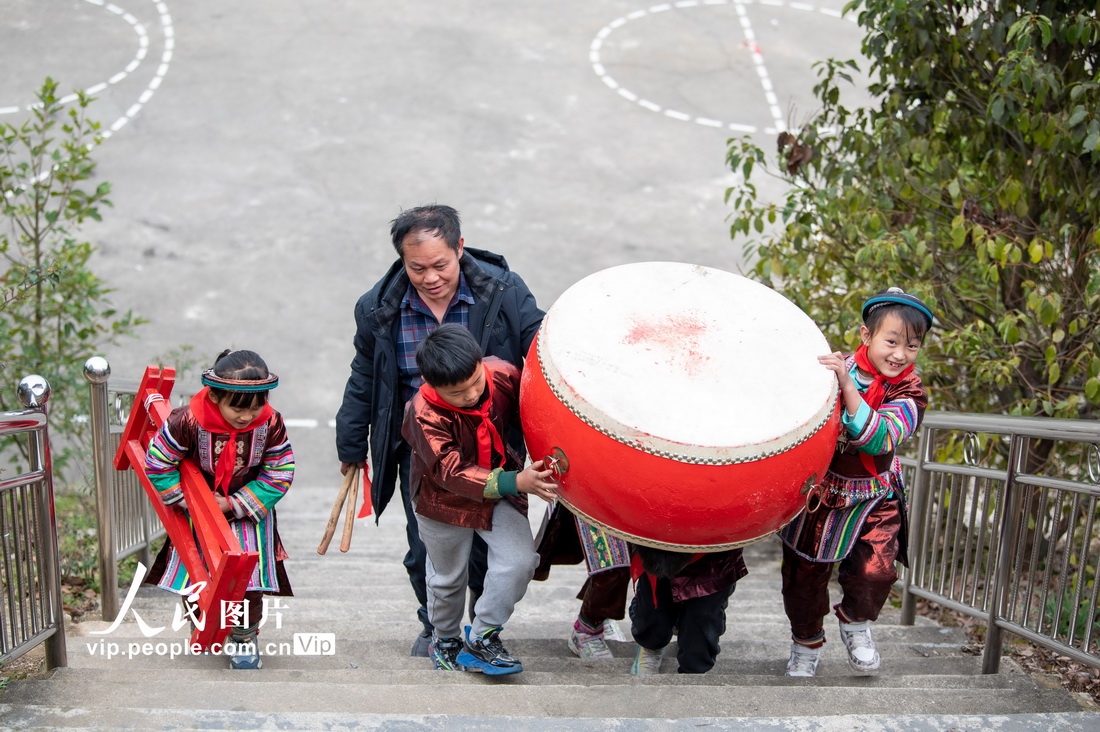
(503, 319)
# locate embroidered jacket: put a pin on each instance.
(894, 422)
(446, 483)
(850, 492)
(709, 573)
(264, 462)
(263, 474)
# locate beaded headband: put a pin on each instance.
(896, 295)
(209, 378)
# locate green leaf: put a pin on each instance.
(1092, 390)
(1035, 250)
(997, 110)
(1078, 116)
(1048, 313)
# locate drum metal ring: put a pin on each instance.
(557, 462)
(813, 499)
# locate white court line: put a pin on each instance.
(749, 34)
(143, 42)
(139, 57)
(306, 423)
(761, 67)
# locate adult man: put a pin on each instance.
(435, 280)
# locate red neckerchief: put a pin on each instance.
(637, 570)
(210, 418)
(488, 438)
(874, 394)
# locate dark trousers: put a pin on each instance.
(603, 596)
(416, 555)
(866, 576)
(698, 623)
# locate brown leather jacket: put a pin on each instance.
(447, 484)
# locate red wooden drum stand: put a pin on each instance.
(682, 407)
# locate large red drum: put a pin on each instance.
(683, 406)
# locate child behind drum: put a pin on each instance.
(861, 523)
(466, 480)
(682, 594)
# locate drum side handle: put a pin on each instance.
(812, 490)
(813, 498)
(557, 462)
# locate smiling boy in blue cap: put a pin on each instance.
(861, 523)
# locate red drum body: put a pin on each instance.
(683, 406)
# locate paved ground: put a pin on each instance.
(259, 148)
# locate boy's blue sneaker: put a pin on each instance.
(244, 650)
(444, 653)
(486, 654)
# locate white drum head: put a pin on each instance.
(700, 363)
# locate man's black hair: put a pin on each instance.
(448, 355)
(429, 221)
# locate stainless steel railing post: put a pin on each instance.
(97, 371)
(34, 393)
(1002, 584)
(918, 497)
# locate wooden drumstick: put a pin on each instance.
(341, 498)
(349, 517)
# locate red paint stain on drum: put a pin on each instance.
(677, 336)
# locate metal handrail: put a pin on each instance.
(1006, 535)
(127, 521)
(31, 611)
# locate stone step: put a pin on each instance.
(520, 630)
(493, 696)
(550, 672)
(363, 598)
(139, 719)
(551, 656)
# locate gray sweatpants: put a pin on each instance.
(511, 565)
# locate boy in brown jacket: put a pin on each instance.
(466, 480)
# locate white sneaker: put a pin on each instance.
(803, 661)
(587, 645)
(612, 631)
(862, 655)
(647, 662)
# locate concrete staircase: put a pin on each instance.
(363, 598)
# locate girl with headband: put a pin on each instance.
(240, 445)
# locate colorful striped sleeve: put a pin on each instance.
(162, 460)
(259, 496)
(888, 427)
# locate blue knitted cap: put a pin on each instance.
(900, 296)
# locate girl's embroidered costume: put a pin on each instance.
(861, 522)
(253, 467)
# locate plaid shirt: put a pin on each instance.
(417, 322)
